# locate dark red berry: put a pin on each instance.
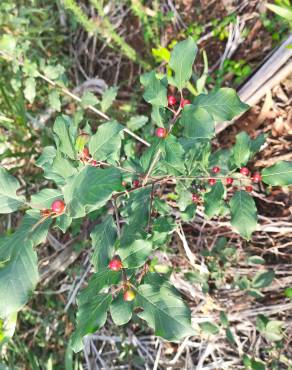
(244, 171)
(171, 100)
(161, 132)
(195, 197)
(212, 182)
(256, 177)
(216, 169)
(58, 206)
(185, 102)
(129, 295)
(115, 264)
(229, 181)
(249, 188)
(136, 183)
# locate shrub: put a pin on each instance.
(96, 175)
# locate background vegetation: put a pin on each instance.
(82, 48)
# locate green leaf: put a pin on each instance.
(159, 116)
(106, 143)
(161, 206)
(274, 331)
(263, 279)
(30, 69)
(136, 254)
(224, 319)
(241, 151)
(197, 123)
(172, 154)
(213, 200)
(282, 11)
(280, 174)
(91, 316)
(256, 260)
(161, 54)
(54, 100)
(149, 155)
(90, 190)
(230, 336)
(45, 198)
(255, 293)
(18, 264)
(257, 365)
(164, 310)
(288, 292)
(63, 222)
(103, 239)
(243, 214)
(100, 282)
(184, 196)
(243, 283)
(62, 130)
(137, 122)
(189, 213)
(136, 214)
(9, 201)
(47, 157)
(181, 62)
(29, 89)
(121, 310)
(88, 98)
(93, 305)
(62, 168)
(209, 328)
(155, 91)
(257, 143)
(223, 104)
(108, 98)
(261, 323)
(53, 72)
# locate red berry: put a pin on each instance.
(195, 198)
(229, 181)
(94, 163)
(85, 152)
(249, 188)
(129, 295)
(161, 132)
(212, 182)
(171, 100)
(244, 171)
(256, 177)
(115, 264)
(216, 169)
(185, 102)
(58, 206)
(136, 183)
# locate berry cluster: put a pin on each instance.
(161, 132)
(256, 178)
(116, 264)
(172, 101)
